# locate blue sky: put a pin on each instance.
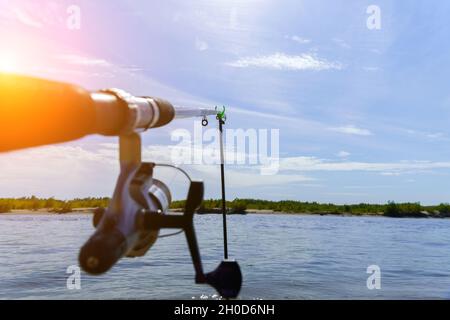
(363, 114)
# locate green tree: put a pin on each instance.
(50, 203)
(392, 209)
(34, 202)
(444, 209)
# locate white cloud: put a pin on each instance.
(343, 154)
(240, 179)
(303, 164)
(64, 171)
(352, 130)
(298, 39)
(390, 174)
(437, 136)
(83, 61)
(70, 170)
(341, 43)
(26, 19)
(434, 136)
(281, 61)
(35, 14)
(201, 45)
(350, 194)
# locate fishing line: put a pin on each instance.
(170, 234)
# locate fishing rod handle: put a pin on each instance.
(37, 112)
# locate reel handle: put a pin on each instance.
(227, 277)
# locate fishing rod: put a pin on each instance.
(36, 112)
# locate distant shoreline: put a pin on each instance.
(20, 212)
(34, 205)
(89, 211)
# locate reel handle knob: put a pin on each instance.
(226, 278)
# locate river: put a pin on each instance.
(281, 257)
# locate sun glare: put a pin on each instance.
(8, 62)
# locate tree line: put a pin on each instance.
(390, 209)
(34, 203)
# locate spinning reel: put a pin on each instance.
(138, 211)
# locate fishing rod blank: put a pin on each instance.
(184, 112)
(228, 275)
(221, 121)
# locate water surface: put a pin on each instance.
(282, 257)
